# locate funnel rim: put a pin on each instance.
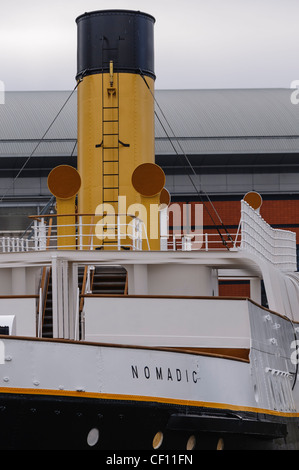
(115, 12)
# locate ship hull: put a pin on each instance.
(30, 422)
(67, 395)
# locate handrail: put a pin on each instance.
(276, 246)
(204, 241)
(174, 242)
(80, 233)
(78, 214)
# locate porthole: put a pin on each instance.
(158, 439)
(191, 443)
(220, 444)
(93, 437)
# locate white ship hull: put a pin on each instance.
(61, 394)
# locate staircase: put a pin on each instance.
(104, 280)
(109, 280)
(47, 326)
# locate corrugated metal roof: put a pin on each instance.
(230, 113)
(28, 114)
(229, 121)
(205, 121)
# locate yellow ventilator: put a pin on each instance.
(64, 183)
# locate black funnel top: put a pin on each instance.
(124, 36)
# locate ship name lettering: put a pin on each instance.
(159, 374)
(168, 374)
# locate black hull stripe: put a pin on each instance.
(145, 399)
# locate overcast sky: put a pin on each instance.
(198, 43)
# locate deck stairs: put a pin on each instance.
(103, 280)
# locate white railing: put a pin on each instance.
(79, 232)
(274, 245)
(41, 241)
(206, 241)
(12, 244)
(128, 232)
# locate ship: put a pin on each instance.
(113, 334)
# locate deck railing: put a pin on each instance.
(87, 231)
(206, 241)
(79, 232)
(274, 245)
(42, 240)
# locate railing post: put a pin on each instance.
(80, 233)
(134, 231)
(35, 235)
(88, 283)
(186, 243)
(77, 315)
(118, 233)
(206, 242)
(42, 235)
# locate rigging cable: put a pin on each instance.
(191, 167)
(39, 142)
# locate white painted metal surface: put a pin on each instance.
(123, 372)
(23, 311)
(173, 322)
